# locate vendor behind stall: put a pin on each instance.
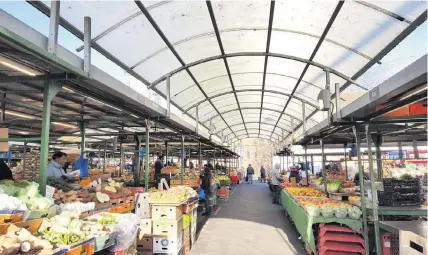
(158, 167)
(55, 167)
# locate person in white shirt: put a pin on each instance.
(55, 167)
(276, 181)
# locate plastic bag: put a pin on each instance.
(125, 232)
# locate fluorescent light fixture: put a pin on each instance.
(23, 133)
(67, 89)
(18, 67)
(414, 93)
(133, 115)
(25, 116)
(64, 125)
(104, 103)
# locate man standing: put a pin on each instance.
(262, 174)
(250, 173)
(55, 167)
(276, 181)
(158, 167)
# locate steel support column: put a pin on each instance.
(200, 155)
(182, 159)
(377, 139)
(87, 44)
(373, 190)
(305, 166)
(303, 118)
(168, 97)
(197, 120)
(82, 126)
(338, 107)
(24, 159)
(146, 161)
(286, 166)
(345, 156)
(105, 156)
(53, 27)
(362, 191)
(166, 152)
(3, 109)
(313, 165)
(400, 150)
(50, 90)
(415, 149)
(121, 157)
(324, 174)
(137, 161)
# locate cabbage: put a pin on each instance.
(333, 186)
(313, 210)
(9, 190)
(75, 225)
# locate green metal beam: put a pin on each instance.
(50, 90)
(362, 192)
(82, 126)
(373, 190)
(21, 139)
(146, 161)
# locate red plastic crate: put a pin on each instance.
(386, 244)
(341, 247)
(340, 237)
(340, 253)
(335, 228)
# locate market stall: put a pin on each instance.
(308, 208)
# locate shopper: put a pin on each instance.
(158, 167)
(276, 180)
(5, 172)
(262, 174)
(82, 164)
(55, 167)
(250, 173)
(207, 186)
(294, 173)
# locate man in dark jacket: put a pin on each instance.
(250, 173)
(262, 174)
(158, 166)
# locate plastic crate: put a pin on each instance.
(331, 246)
(340, 237)
(388, 198)
(388, 182)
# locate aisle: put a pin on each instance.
(248, 224)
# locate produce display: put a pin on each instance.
(61, 184)
(190, 175)
(317, 204)
(223, 179)
(10, 203)
(305, 192)
(173, 195)
(63, 229)
(76, 207)
(21, 241)
(27, 192)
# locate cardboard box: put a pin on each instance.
(168, 227)
(166, 212)
(163, 244)
(145, 226)
(4, 133)
(145, 243)
(142, 206)
(412, 244)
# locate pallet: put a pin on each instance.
(340, 237)
(331, 246)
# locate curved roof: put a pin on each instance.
(248, 67)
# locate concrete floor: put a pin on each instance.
(248, 223)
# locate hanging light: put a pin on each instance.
(324, 99)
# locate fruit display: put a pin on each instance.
(173, 195)
(348, 184)
(170, 170)
(191, 175)
(304, 192)
(223, 179)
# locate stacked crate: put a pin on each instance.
(168, 232)
(32, 166)
(189, 224)
(400, 193)
(335, 239)
(142, 210)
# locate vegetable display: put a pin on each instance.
(173, 195)
(107, 219)
(63, 229)
(27, 192)
(11, 203)
(333, 186)
(61, 184)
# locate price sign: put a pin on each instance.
(49, 191)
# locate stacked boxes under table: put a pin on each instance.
(167, 229)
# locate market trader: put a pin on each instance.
(158, 166)
(55, 167)
(5, 172)
(276, 180)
